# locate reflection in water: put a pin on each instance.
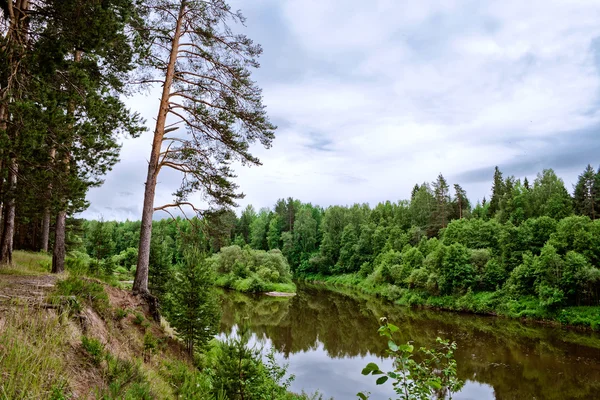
(328, 338)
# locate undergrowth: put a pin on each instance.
(486, 303)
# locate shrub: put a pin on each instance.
(94, 349)
(418, 278)
(433, 376)
(77, 263)
(241, 374)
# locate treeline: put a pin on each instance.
(528, 239)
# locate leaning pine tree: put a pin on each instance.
(208, 92)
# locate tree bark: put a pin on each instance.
(6, 245)
(59, 251)
(45, 230)
(140, 284)
(46, 218)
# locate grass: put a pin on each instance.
(31, 365)
(77, 291)
(28, 263)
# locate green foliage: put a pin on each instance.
(82, 291)
(434, 375)
(456, 273)
(241, 374)
(124, 380)
(139, 318)
(194, 312)
(94, 349)
(248, 270)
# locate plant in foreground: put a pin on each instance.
(435, 375)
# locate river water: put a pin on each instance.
(328, 337)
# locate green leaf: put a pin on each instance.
(362, 396)
(393, 328)
(393, 346)
(408, 348)
(381, 380)
(434, 383)
(370, 368)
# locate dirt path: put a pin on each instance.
(23, 290)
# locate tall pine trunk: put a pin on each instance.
(59, 252)
(47, 211)
(45, 230)
(140, 284)
(10, 206)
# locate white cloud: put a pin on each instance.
(396, 92)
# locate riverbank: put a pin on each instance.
(481, 303)
(253, 285)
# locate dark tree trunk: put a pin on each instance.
(47, 212)
(59, 253)
(8, 232)
(140, 284)
(45, 230)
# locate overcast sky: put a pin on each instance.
(371, 97)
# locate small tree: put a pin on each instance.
(195, 312)
(435, 375)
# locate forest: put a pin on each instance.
(531, 250)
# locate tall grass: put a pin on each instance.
(27, 263)
(32, 366)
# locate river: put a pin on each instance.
(328, 337)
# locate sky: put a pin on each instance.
(371, 97)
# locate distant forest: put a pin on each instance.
(535, 236)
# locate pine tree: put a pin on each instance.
(442, 202)
(207, 89)
(72, 58)
(461, 200)
(585, 197)
(498, 191)
(195, 311)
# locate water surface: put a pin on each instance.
(327, 338)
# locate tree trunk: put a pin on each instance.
(46, 218)
(140, 284)
(45, 230)
(6, 246)
(59, 252)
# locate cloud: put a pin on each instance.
(372, 97)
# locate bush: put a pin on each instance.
(250, 270)
(77, 263)
(240, 373)
(418, 278)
